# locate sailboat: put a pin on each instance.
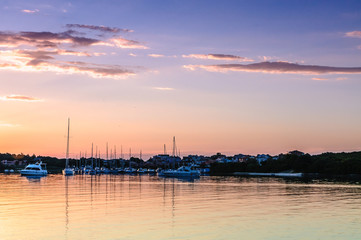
(67, 171)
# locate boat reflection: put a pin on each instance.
(66, 206)
(181, 179)
(33, 178)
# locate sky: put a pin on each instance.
(221, 76)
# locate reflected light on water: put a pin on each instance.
(149, 207)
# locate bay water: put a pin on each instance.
(151, 207)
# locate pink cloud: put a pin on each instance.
(124, 43)
(156, 55)
(354, 34)
(20, 98)
(319, 79)
(30, 11)
(225, 57)
(49, 49)
(163, 88)
(277, 67)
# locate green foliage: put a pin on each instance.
(326, 163)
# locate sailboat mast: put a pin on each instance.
(92, 156)
(96, 156)
(67, 146)
(107, 151)
(174, 147)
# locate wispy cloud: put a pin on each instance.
(30, 11)
(47, 48)
(277, 67)
(319, 79)
(156, 55)
(225, 57)
(30, 61)
(124, 43)
(163, 88)
(354, 34)
(20, 98)
(43, 39)
(99, 28)
(2, 124)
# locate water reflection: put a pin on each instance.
(148, 207)
(66, 207)
(34, 178)
(181, 179)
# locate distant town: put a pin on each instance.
(336, 164)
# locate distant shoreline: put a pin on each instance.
(298, 175)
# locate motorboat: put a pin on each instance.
(183, 171)
(35, 169)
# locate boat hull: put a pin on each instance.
(168, 174)
(68, 172)
(181, 172)
(34, 172)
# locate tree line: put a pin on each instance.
(325, 163)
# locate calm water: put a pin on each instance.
(148, 207)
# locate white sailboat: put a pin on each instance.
(67, 171)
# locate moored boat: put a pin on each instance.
(35, 169)
(130, 170)
(183, 171)
(67, 171)
(141, 171)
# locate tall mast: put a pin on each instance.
(115, 152)
(165, 150)
(121, 151)
(92, 155)
(99, 158)
(107, 151)
(130, 156)
(174, 147)
(67, 146)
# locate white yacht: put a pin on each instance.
(36, 169)
(183, 171)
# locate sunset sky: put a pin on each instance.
(221, 76)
